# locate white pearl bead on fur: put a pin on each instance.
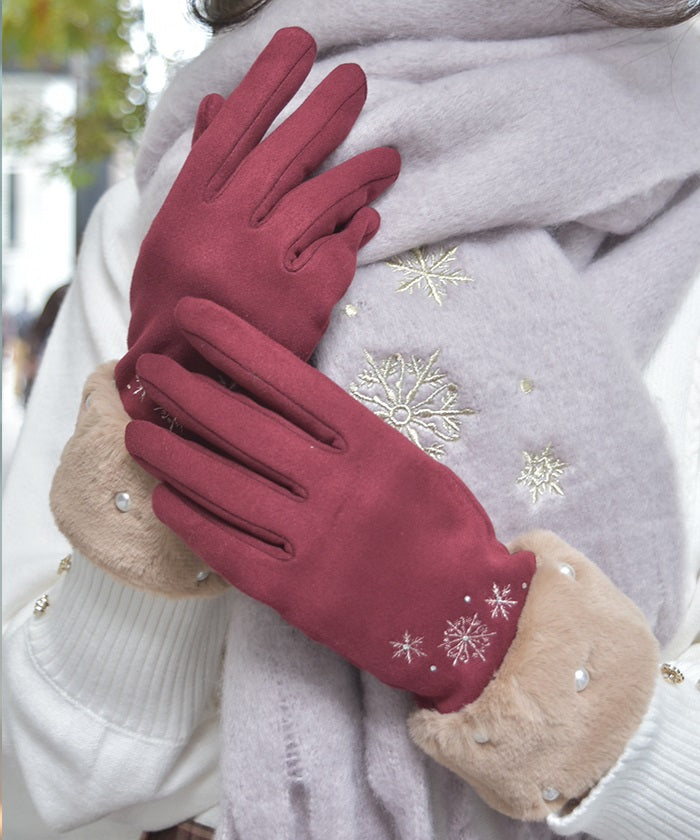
(582, 678)
(123, 502)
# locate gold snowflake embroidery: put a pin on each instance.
(541, 473)
(427, 269)
(414, 397)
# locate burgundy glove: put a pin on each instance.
(310, 503)
(243, 227)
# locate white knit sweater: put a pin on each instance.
(111, 693)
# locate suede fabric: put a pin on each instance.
(94, 467)
(523, 262)
(316, 504)
(245, 225)
(531, 729)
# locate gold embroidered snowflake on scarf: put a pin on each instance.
(413, 396)
(427, 269)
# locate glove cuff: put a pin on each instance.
(569, 695)
(101, 500)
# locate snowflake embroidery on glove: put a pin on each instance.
(139, 391)
(466, 639)
(408, 647)
(414, 397)
(541, 473)
(501, 602)
(167, 419)
(427, 269)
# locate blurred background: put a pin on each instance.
(79, 77)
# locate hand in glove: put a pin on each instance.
(309, 502)
(244, 225)
(535, 679)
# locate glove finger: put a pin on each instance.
(225, 488)
(239, 558)
(231, 422)
(332, 260)
(248, 112)
(327, 202)
(271, 373)
(307, 137)
(209, 107)
(339, 252)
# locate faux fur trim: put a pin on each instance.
(133, 546)
(543, 733)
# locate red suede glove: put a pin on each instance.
(310, 503)
(242, 225)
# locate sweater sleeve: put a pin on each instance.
(110, 692)
(90, 329)
(652, 790)
(111, 697)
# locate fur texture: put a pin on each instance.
(132, 546)
(542, 732)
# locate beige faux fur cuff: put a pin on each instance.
(570, 693)
(120, 535)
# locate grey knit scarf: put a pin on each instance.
(531, 254)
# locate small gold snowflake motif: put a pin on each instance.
(41, 605)
(541, 473)
(427, 269)
(414, 397)
(408, 647)
(65, 564)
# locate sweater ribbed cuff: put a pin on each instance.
(139, 662)
(653, 789)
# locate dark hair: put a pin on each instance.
(644, 14)
(218, 14)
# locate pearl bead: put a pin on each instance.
(481, 738)
(467, 599)
(202, 576)
(433, 668)
(549, 794)
(568, 570)
(582, 678)
(123, 502)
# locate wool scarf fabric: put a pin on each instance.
(539, 237)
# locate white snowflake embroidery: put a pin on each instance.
(426, 269)
(139, 390)
(541, 473)
(501, 602)
(168, 420)
(413, 396)
(408, 647)
(465, 639)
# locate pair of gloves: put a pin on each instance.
(520, 658)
